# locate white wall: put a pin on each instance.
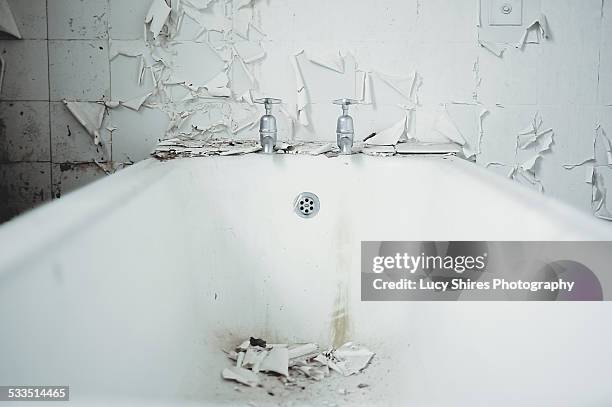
(566, 78)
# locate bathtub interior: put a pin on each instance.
(140, 300)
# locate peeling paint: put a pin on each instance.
(90, 116)
(7, 20)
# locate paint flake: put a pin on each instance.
(364, 87)
(540, 26)
(7, 20)
(249, 51)
(402, 85)
(240, 375)
(90, 115)
(492, 47)
(136, 103)
(390, 136)
(302, 94)
(333, 61)
(445, 127)
(157, 17)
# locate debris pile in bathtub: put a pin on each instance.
(293, 364)
(187, 148)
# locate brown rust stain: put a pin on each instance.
(340, 320)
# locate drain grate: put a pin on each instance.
(307, 205)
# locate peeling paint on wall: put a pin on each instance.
(197, 65)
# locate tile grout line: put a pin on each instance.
(110, 74)
(49, 101)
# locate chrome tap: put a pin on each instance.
(345, 129)
(267, 125)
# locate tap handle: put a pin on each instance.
(268, 102)
(345, 103)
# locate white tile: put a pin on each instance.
(71, 142)
(397, 58)
(79, 70)
(276, 19)
(605, 75)
(275, 74)
(447, 21)
(606, 22)
(137, 133)
(127, 19)
(31, 19)
(447, 71)
(313, 21)
(567, 74)
(360, 21)
(500, 130)
(569, 186)
(23, 186)
(574, 22)
(26, 75)
(510, 80)
(78, 20)
(24, 131)
(373, 21)
(70, 177)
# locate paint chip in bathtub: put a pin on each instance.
(276, 361)
(240, 150)
(240, 375)
(158, 15)
(7, 21)
(349, 359)
(316, 149)
(301, 350)
(380, 151)
(427, 148)
(90, 115)
(294, 365)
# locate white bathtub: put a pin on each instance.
(128, 289)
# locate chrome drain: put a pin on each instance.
(307, 205)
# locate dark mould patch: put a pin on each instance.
(257, 342)
(66, 167)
